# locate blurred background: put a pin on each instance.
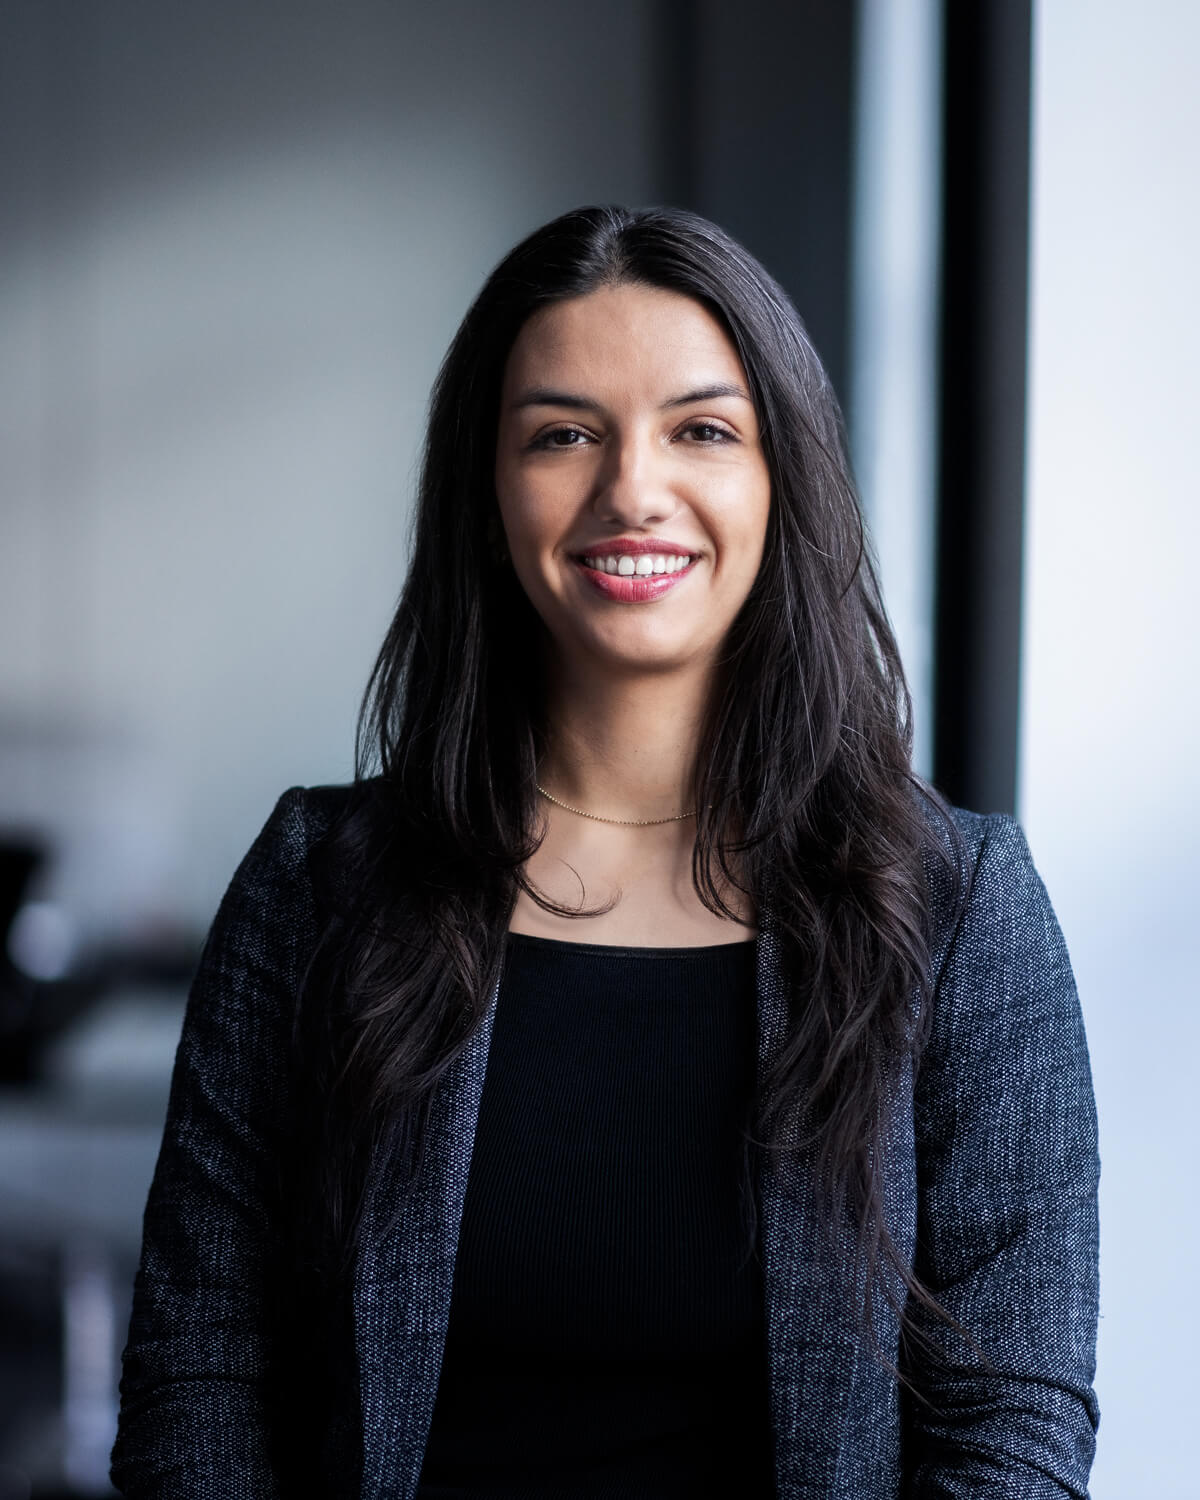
(235, 240)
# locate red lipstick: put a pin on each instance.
(604, 567)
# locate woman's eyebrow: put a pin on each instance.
(543, 396)
(712, 392)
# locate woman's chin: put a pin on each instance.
(642, 655)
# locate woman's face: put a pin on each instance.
(631, 478)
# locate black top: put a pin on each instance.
(606, 1330)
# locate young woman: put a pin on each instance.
(637, 1083)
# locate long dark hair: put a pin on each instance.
(803, 773)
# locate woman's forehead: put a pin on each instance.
(658, 339)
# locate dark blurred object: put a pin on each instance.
(19, 859)
(31, 1010)
(39, 1000)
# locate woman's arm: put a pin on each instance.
(1007, 1228)
(193, 1410)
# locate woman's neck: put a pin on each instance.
(624, 746)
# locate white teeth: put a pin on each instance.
(642, 566)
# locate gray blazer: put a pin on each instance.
(992, 1174)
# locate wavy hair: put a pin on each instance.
(803, 772)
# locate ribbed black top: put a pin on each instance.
(606, 1328)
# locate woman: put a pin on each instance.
(640, 1085)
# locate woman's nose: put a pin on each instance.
(633, 489)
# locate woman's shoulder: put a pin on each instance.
(980, 876)
(275, 876)
(997, 948)
(960, 837)
(1000, 882)
(304, 815)
(317, 844)
(326, 805)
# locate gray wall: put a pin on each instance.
(1110, 791)
(236, 242)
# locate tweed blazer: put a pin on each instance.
(990, 1192)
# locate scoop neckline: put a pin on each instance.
(624, 950)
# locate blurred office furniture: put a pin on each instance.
(77, 1150)
(85, 1060)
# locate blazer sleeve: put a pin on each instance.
(1007, 1228)
(193, 1418)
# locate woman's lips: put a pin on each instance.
(635, 587)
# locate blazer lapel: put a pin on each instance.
(404, 1282)
(812, 1337)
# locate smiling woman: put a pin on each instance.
(628, 437)
(637, 1083)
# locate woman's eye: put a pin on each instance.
(708, 432)
(560, 437)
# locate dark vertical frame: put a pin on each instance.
(755, 122)
(985, 276)
(674, 46)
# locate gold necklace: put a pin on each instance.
(622, 822)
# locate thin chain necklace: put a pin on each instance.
(622, 822)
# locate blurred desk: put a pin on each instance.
(77, 1152)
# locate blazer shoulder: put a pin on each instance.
(997, 860)
(304, 815)
(1004, 943)
(326, 805)
(970, 858)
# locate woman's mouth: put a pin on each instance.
(635, 578)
